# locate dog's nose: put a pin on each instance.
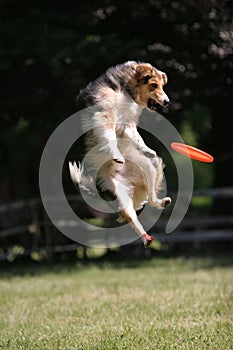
(166, 102)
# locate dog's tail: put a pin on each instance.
(85, 183)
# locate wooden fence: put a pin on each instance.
(25, 229)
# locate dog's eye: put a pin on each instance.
(154, 86)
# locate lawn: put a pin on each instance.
(159, 303)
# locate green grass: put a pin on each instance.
(153, 304)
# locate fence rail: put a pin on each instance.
(25, 228)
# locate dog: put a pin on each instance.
(126, 167)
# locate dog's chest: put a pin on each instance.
(126, 110)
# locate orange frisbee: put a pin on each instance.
(192, 152)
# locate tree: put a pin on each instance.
(50, 50)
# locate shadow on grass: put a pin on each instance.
(202, 257)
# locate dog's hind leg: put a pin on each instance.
(152, 171)
(153, 174)
(128, 212)
(154, 200)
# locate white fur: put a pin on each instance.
(75, 172)
(127, 166)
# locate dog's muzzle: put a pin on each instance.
(153, 105)
(166, 102)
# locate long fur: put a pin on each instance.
(124, 164)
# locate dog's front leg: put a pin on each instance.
(132, 133)
(106, 133)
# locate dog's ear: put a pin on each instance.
(164, 77)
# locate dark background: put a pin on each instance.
(49, 50)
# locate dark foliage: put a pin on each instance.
(49, 50)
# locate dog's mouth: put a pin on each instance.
(152, 104)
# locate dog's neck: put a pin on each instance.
(132, 88)
(135, 95)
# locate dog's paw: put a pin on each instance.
(166, 202)
(160, 203)
(147, 240)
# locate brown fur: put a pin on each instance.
(124, 164)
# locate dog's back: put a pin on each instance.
(115, 78)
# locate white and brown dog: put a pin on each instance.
(126, 167)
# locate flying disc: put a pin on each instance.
(192, 152)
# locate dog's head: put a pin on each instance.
(150, 82)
